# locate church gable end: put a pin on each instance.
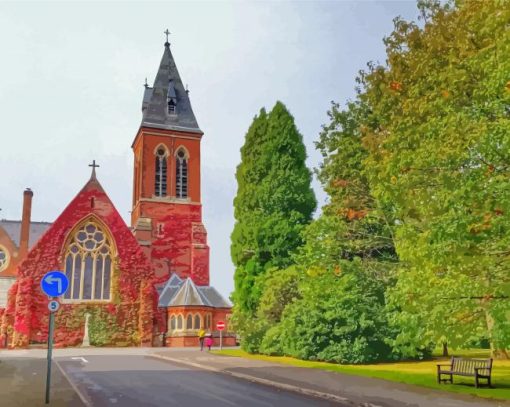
(111, 278)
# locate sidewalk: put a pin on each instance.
(23, 384)
(360, 391)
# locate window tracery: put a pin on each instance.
(88, 264)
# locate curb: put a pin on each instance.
(82, 397)
(279, 385)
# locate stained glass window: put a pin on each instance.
(88, 264)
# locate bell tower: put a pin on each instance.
(166, 217)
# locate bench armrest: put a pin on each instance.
(443, 364)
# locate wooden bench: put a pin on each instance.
(477, 368)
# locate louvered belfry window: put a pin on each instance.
(160, 177)
(88, 264)
(181, 175)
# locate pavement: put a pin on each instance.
(23, 384)
(347, 389)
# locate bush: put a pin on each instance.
(340, 318)
(271, 342)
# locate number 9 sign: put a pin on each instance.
(53, 306)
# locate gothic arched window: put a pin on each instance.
(172, 322)
(189, 322)
(4, 258)
(179, 322)
(88, 264)
(181, 174)
(160, 173)
(197, 322)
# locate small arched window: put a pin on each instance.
(189, 322)
(171, 97)
(197, 322)
(179, 322)
(4, 258)
(171, 106)
(172, 323)
(160, 173)
(88, 264)
(181, 174)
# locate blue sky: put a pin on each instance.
(71, 77)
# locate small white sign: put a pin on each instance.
(53, 306)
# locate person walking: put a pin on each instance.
(208, 341)
(201, 337)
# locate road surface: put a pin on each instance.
(135, 380)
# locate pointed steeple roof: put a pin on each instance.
(167, 91)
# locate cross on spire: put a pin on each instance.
(94, 166)
(167, 34)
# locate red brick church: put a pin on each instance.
(147, 284)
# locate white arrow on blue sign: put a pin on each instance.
(54, 283)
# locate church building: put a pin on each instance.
(144, 285)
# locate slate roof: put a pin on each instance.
(13, 229)
(168, 85)
(181, 293)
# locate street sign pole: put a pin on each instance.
(50, 349)
(221, 339)
(53, 284)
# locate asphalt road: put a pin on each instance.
(134, 381)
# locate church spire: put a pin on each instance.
(166, 104)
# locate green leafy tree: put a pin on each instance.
(353, 224)
(274, 203)
(438, 140)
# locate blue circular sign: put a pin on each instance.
(54, 283)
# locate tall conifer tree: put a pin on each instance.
(274, 201)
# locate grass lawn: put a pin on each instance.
(418, 373)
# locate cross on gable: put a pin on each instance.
(167, 34)
(94, 165)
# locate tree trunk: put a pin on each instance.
(445, 349)
(499, 354)
(496, 351)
